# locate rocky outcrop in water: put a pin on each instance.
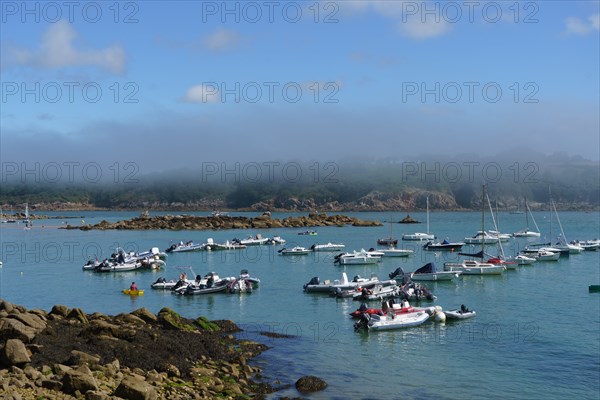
(67, 354)
(192, 222)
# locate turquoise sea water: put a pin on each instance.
(536, 334)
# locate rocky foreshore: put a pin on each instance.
(67, 354)
(192, 222)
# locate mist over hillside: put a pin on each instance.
(450, 183)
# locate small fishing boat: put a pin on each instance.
(461, 313)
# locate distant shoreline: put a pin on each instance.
(38, 213)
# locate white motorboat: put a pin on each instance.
(391, 321)
(151, 262)
(91, 264)
(394, 252)
(357, 258)
(173, 284)
(109, 266)
(275, 240)
(211, 245)
(252, 240)
(429, 272)
(473, 267)
(527, 233)
(522, 259)
(154, 251)
(211, 283)
(588, 245)
(503, 237)
(545, 255)
(294, 251)
(481, 237)
(164, 284)
(378, 292)
(327, 247)
(244, 283)
(419, 235)
(185, 247)
(344, 284)
(373, 252)
(461, 313)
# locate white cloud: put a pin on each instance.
(407, 14)
(222, 40)
(578, 26)
(416, 29)
(203, 93)
(58, 51)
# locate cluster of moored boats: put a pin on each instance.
(122, 261)
(391, 315)
(234, 244)
(209, 283)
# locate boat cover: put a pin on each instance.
(428, 268)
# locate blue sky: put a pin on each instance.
(371, 78)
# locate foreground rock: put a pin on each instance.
(192, 222)
(310, 383)
(67, 354)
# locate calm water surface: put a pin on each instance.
(536, 334)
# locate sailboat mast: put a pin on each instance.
(482, 220)
(495, 221)
(559, 224)
(428, 215)
(550, 196)
(526, 212)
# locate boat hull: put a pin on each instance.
(399, 321)
(436, 276)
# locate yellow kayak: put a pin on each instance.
(134, 292)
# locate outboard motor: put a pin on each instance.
(313, 281)
(356, 278)
(426, 245)
(398, 272)
(363, 322)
